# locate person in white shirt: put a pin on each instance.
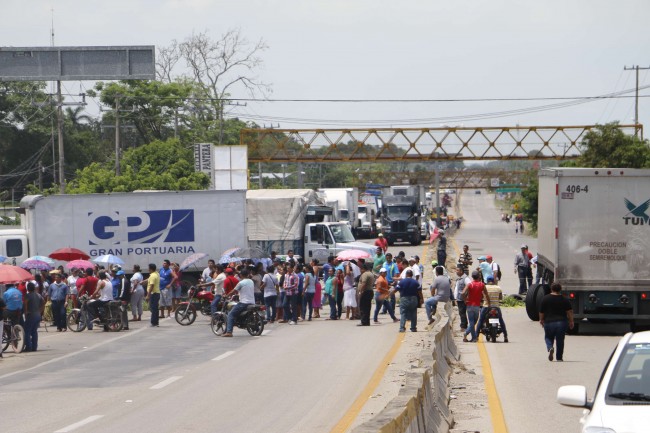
(137, 294)
(246, 290)
(462, 281)
(207, 272)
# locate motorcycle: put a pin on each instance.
(491, 326)
(250, 319)
(111, 316)
(197, 299)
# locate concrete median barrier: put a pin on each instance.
(422, 404)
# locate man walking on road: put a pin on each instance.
(473, 294)
(556, 316)
(153, 293)
(522, 268)
(465, 259)
(462, 281)
(366, 283)
(408, 301)
(442, 248)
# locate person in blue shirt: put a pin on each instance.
(166, 277)
(408, 301)
(14, 304)
(392, 271)
(485, 268)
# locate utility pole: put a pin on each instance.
(117, 136)
(59, 115)
(636, 97)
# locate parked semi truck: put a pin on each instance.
(296, 219)
(138, 227)
(400, 219)
(348, 200)
(594, 239)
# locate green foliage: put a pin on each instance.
(159, 165)
(511, 301)
(608, 146)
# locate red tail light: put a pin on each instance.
(572, 295)
(644, 296)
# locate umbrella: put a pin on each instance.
(36, 264)
(13, 274)
(2, 258)
(108, 259)
(45, 259)
(250, 253)
(69, 254)
(190, 260)
(79, 264)
(228, 256)
(353, 255)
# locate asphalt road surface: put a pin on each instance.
(526, 381)
(173, 378)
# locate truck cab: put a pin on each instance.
(367, 226)
(325, 239)
(14, 246)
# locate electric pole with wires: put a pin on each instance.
(636, 97)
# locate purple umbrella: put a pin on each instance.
(36, 264)
(189, 261)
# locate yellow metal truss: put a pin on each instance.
(417, 144)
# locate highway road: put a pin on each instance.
(173, 378)
(526, 381)
(290, 379)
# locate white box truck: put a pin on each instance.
(348, 202)
(139, 227)
(594, 239)
(296, 219)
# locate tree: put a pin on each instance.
(159, 165)
(608, 146)
(219, 68)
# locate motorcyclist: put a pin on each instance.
(496, 296)
(104, 293)
(246, 291)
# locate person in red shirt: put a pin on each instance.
(87, 287)
(473, 294)
(230, 282)
(382, 243)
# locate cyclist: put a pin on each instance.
(13, 299)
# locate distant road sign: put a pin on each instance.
(504, 190)
(494, 182)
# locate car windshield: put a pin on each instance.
(399, 211)
(341, 233)
(631, 378)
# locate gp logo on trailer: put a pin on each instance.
(176, 225)
(636, 213)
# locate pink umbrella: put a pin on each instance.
(36, 264)
(353, 255)
(79, 264)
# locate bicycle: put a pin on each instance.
(13, 335)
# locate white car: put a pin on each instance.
(622, 400)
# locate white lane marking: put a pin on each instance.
(81, 423)
(166, 382)
(223, 356)
(85, 349)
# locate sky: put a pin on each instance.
(378, 49)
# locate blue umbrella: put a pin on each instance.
(108, 259)
(45, 259)
(2, 258)
(36, 264)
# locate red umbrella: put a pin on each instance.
(13, 274)
(68, 254)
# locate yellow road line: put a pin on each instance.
(494, 403)
(346, 421)
(353, 412)
(496, 412)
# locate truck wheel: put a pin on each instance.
(416, 241)
(531, 302)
